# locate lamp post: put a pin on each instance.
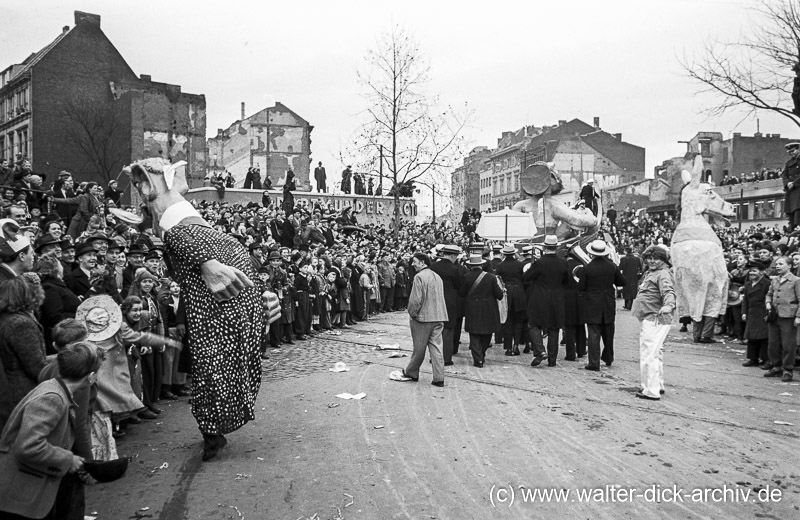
(434, 191)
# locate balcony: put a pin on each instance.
(14, 116)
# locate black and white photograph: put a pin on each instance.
(419, 260)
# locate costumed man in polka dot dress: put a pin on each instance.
(225, 319)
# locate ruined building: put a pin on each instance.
(77, 105)
(274, 140)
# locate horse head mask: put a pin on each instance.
(160, 184)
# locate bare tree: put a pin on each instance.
(417, 137)
(95, 130)
(761, 71)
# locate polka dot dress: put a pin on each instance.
(224, 338)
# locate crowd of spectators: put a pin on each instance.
(763, 174)
(330, 272)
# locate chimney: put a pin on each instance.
(597, 122)
(737, 134)
(776, 136)
(242, 110)
(562, 122)
(65, 29)
(145, 77)
(618, 137)
(82, 18)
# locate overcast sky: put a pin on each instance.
(514, 63)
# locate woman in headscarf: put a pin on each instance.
(59, 302)
(22, 350)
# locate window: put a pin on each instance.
(764, 209)
(23, 141)
(705, 148)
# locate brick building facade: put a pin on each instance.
(77, 105)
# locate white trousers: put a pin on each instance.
(651, 364)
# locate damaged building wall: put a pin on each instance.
(274, 140)
(167, 123)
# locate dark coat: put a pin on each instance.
(462, 301)
(288, 196)
(59, 304)
(631, 267)
(451, 283)
(401, 285)
(754, 306)
(573, 310)
(481, 315)
(128, 275)
(66, 212)
(510, 271)
(597, 281)
(791, 173)
(287, 233)
(547, 277)
(78, 282)
(88, 206)
(22, 354)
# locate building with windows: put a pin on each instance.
(579, 151)
(466, 184)
(485, 183)
(738, 156)
(76, 105)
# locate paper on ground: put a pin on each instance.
(388, 347)
(345, 395)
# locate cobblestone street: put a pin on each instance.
(410, 450)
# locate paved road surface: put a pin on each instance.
(490, 443)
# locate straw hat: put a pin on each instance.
(550, 242)
(475, 260)
(101, 315)
(597, 248)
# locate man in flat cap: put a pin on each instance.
(791, 185)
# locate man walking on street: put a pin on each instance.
(548, 277)
(427, 309)
(451, 277)
(597, 282)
